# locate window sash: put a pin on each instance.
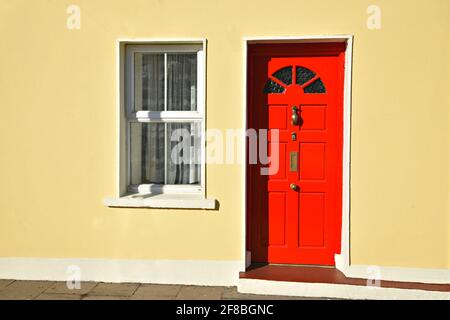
(165, 188)
(146, 187)
(131, 50)
(165, 116)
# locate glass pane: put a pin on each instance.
(273, 87)
(304, 75)
(148, 81)
(182, 82)
(316, 86)
(147, 153)
(284, 75)
(183, 163)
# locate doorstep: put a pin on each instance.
(310, 281)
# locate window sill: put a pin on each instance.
(168, 201)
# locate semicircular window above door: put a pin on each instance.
(304, 77)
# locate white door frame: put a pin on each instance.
(342, 260)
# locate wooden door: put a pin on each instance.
(295, 214)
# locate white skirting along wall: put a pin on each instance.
(190, 272)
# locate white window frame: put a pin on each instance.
(129, 115)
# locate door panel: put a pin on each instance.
(313, 117)
(281, 174)
(311, 219)
(294, 215)
(277, 117)
(277, 218)
(312, 160)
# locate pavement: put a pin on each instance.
(50, 290)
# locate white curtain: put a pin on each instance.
(150, 152)
(182, 96)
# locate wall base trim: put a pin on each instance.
(327, 290)
(438, 276)
(188, 272)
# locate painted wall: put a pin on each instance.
(57, 90)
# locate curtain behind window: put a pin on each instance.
(182, 96)
(149, 140)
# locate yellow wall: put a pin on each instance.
(57, 137)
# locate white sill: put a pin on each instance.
(174, 201)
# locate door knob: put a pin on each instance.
(294, 187)
(294, 116)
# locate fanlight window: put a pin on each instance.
(304, 77)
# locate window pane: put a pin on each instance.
(147, 153)
(182, 82)
(183, 165)
(148, 81)
(284, 75)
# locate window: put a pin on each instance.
(305, 78)
(164, 102)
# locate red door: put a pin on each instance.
(294, 215)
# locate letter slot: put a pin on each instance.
(293, 161)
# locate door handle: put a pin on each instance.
(294, 116)
(294, 187)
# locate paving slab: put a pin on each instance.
(24, 290)
(89, 297)
(58, 296)
(148, 298)
(61, 288)
(114, 289)
(48, 290)
(4, 283)
(200, 293)
(231, 293)
(156, 292)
